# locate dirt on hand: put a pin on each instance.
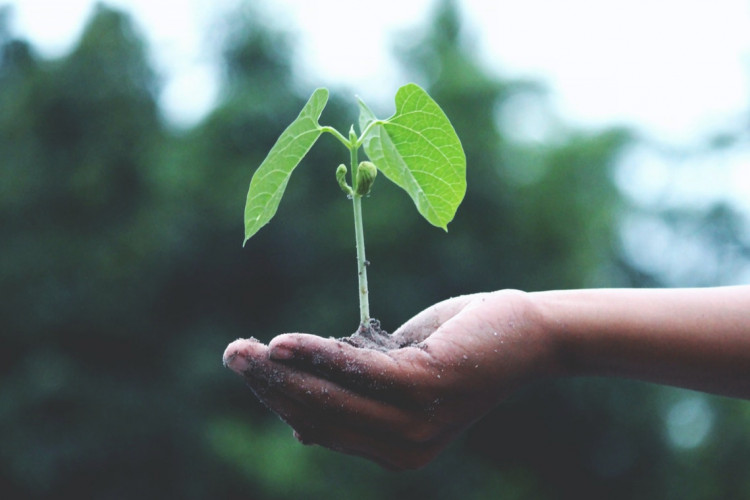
(371, 336)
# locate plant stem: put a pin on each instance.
(364, 303)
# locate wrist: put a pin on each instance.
(537, 348)
(549, 315)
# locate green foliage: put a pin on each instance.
(269, 181)
(418, 150)
(366, 174)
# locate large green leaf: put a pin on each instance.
(418, 149)
(269, 181)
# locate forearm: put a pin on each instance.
(692, 338)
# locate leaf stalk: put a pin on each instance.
(338, 135)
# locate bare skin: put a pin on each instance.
(402, 407)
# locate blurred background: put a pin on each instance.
(608, 145)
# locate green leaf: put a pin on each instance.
(269, 181)
(418, 149)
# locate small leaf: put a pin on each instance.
(366, 173)
(269, 181)
(341, 178)
(418, 149)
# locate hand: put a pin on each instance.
(401, 407)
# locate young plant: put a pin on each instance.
(416, 148)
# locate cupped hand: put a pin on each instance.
(402, 407)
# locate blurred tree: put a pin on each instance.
(81, 268)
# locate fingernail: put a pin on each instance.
(235, 356)
(237, 363)
(280, 353)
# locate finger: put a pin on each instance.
(240, 354)
(334, 402)
(392, 451)
(403, 444)
(289, 391)
(361, 370)
(278, 384)
(323, 413)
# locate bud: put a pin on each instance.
(366, 173)
(341, 177)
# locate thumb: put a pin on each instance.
(428, 321)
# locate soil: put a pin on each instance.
(371, 336)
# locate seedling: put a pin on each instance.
(416, 148)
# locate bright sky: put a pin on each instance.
(676, 69)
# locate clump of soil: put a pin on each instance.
(371, 336)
